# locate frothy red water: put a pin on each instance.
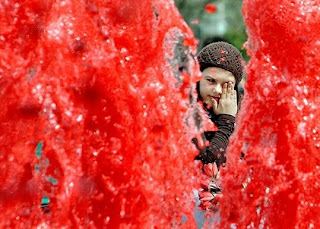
(278, 127)
(94, 97)
(210, 8)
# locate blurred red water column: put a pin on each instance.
(210, 8)
(278, 127)
(96, 114)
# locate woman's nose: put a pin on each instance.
(217, 89)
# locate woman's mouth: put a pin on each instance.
(215, 98)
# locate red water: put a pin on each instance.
(95, 119)
(278, 125)
(210, 8)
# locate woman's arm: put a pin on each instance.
(218, 140)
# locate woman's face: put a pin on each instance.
(212, 83)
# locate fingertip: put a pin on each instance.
(214, 104)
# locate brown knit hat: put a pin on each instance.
(222, 55)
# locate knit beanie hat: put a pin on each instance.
(222, 55)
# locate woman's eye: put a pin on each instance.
(211, 80)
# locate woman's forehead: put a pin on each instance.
(219, 73)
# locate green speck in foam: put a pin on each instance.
(39, 149)
(53, 180)
(45, 200)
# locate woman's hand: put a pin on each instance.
(228, 101)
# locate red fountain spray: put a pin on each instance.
(93, 124)
(276, 185)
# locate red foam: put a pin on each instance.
(91, 95)
(278, 127)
